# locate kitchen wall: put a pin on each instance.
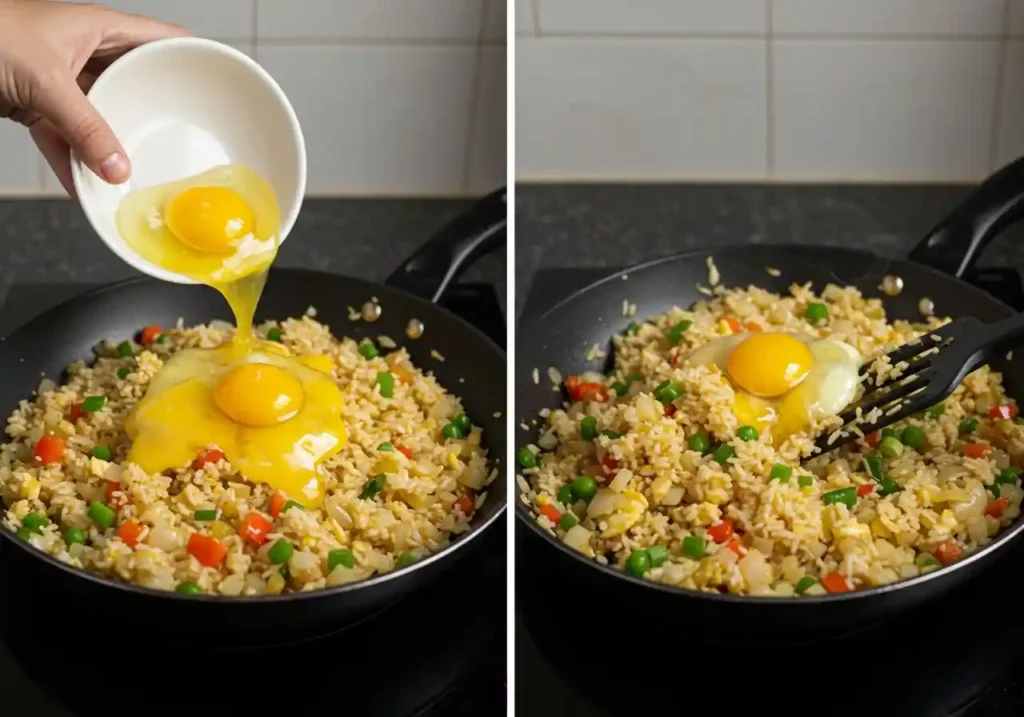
(788, 90)
(395, 97)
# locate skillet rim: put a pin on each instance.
(210, 599)
(522, 514)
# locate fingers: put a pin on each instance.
(62, 102)
(121, 32)
(56, 152)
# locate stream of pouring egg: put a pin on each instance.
(274, 417)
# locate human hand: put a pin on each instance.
(50, 54)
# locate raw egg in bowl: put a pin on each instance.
(193, 114)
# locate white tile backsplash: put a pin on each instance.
(19, 159)
(369, 19)
(395, 96)
(872, 90)
(899, 111)
(1010, 137)
(379, 119)
(232, 20)
(625, 109)
(487, 163)
(655, 17)
(889, 17)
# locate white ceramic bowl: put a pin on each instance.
(184, 105)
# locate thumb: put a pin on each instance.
(67, 108)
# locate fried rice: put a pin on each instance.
(433, 483)
(660, 509)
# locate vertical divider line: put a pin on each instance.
(769, 88)
(535, 12)
(475, 94)
(510, 343)
(1001, 89)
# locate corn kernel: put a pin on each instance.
(220, 530)
(879, 530)
(724, 327)
(29, 488)
(275, 584)
(453, 461)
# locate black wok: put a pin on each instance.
(68, 332)
(938, 268)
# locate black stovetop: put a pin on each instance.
(961, 655)
(439, 652)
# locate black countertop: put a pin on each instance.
(50, 241)
(566, 225)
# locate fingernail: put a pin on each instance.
(115, 168)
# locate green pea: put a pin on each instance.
(565, 496)
(24, 533)
(584, 487)
(668, 391)
(280, 551)
(675, 334)
(935, 411)
(274, 334)
(890, 447)
(887, 486)
(693, 547)
(340, 556)
(805, 481)
(614, 435)
(450, 430)
(368, 350)
(162, 339)
(526, 457)
(568, 520)
(638, 563)
(632, 329)
(886, 432)
(373, 486)
(816, 312)
(463, 423)
(73, 536)
(93, 403)
(124, 349)
(780, 473)
(620, 388)
(803, 583)
(1008, 476)
(967, 425)
(846, 496)
(658, 555)
(723, 453)
(206, 514)
(385, 446)
(914, 437)
(746, 433)
(926, 561)
(187, 587)
(387, 384)
(101, 514)
(291, 504)
(404, 560)
(34, 522)
(588, 428)
(101, 452)
(699, 442)
(122, 373)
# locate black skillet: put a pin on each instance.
(66, 333)
(937, 268)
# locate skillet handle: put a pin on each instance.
(440, 261)
(955, 244)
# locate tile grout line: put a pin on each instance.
(997, 102)
(788, 36)
(255, 34)
(535, 12)
(769, 89)
(475, 93)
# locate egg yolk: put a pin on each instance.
(769, 364)
(258, 394)
(209, 219)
